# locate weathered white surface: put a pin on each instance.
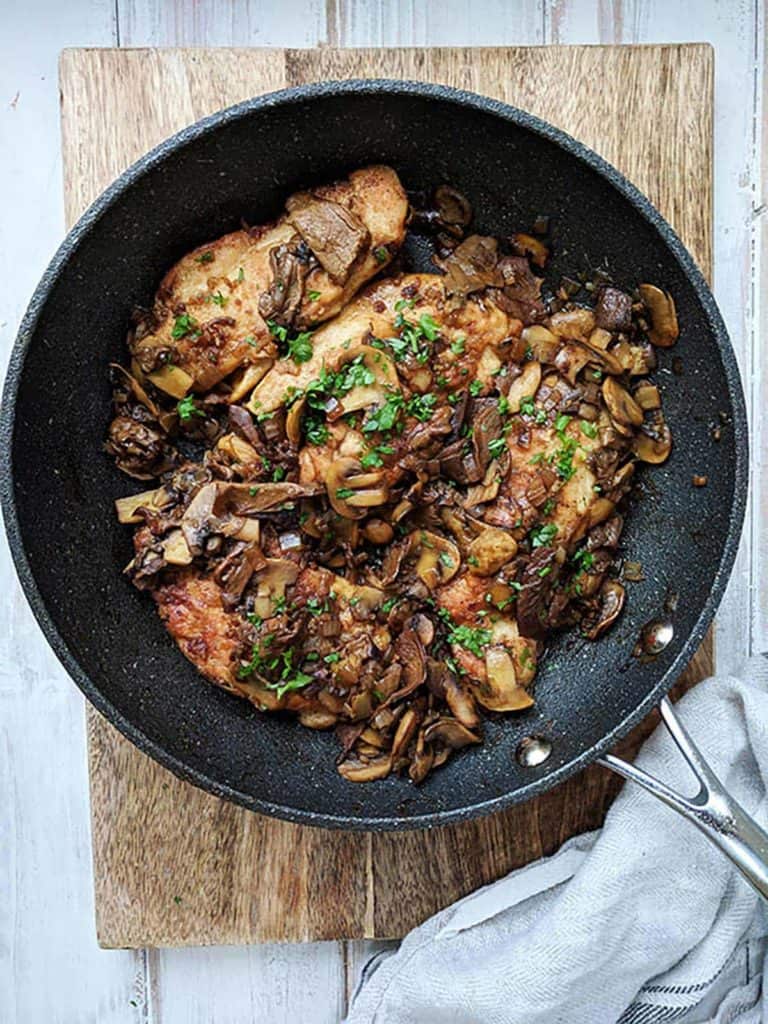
(50, 968)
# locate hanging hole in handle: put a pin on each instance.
(533, 751)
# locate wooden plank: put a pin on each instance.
(50, 966)
(204, 851)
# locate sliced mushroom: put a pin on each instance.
(246, 378)
(363, 599)
(438, 558)
(532, 247)
(336, 236)
(541, 342)
(134, 381)
(621, 405)
(195, 523)
(128, 508)
(452, 208)
(524, 386)
(664, 330)
(450, 733)
(406, 728)
(501, 691)
(605, 360)
(574, 323)
(175, 549)
(492, 549)
(317, 718)
(612, 596)
(379, 364)
(460, 701)
(360, 771)
(647, 396)
(249, 499)
(171, 379)
(352, 492)
(271, 583)
(653, 443)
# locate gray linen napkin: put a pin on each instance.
(640, 922)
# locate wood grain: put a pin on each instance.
(173, 865)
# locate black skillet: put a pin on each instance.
(58, 486)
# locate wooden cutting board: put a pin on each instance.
(173, 865)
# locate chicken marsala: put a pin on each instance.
(379, 492)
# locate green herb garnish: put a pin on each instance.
(186, 409)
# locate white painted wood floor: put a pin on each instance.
(51, 969)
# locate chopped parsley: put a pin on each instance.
(381, 254)
(389, 604)
(385, 416)
(473, 638)
(497, 446)
(446, 559)
(475, 388)
(503, 404)
(204, 257)
(421, 406)
(402, 304)
(186, 409)
(278, 474)
(342, 493)
(315, 431)
(583, 559)
(263, 660)
(527, 408)
(185, 326)
(545, 571)
(458, 346)
(300, 348)
(332, 658)
(588, 429)
(373, 458)
(525, 657)
(541, 536)
(313, 296)
(218, 299)
(241, 274)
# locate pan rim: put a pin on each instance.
(286, 97)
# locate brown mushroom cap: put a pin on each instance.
(351, 491)
(664, 330)
(621, 405)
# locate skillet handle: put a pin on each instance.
(722, 820)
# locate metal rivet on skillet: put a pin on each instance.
(533, 751)
(656, 636)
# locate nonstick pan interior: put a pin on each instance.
(58, 486)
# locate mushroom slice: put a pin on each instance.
(460, 701)
(271, 583)
(524, 386)
(450, 733)
(359, 771)
(248, 499)
(573, 323)
(501, 691)
(128, 508)
(492, 549)
(606, 360)
(647, 396)
(293, 420)
(621, 405)
(238, 450)
(653, 443)
(664, 330)
(366, 599)
(385, 379)
(176, 550)
(317, 718)
(612, 596)
(197, 516)
(439, 558)
(543, 343)
(245, 379)
(134, 380)
(172, 379)
(351, 491)
(406, 728)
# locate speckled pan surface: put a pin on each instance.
(58, 487)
